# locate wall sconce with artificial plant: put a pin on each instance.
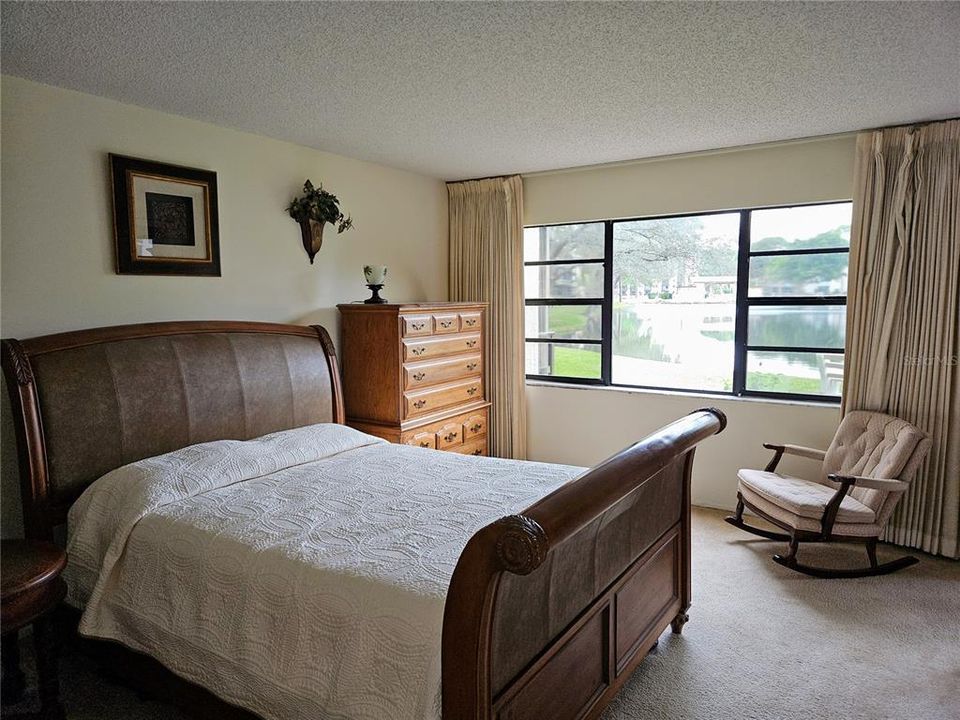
(313, 210)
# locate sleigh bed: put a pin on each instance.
(533, 590)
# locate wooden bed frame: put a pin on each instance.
(548, 611)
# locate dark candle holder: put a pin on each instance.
(375, 299)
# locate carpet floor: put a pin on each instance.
(762, 643)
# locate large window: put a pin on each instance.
(748, 302)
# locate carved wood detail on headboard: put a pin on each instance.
(14, 354)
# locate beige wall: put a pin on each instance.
(57, 232)
(792, 172)
(582, 426)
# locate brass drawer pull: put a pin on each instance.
(470, 323)
(418, 404)
(478, 451)
(425, 443)
(446, 323)
(476, 428)
(471, 366)
(471, 343)
(472, 390)
(418, 376)
(418, 325)
(418, 351)
(450, 437)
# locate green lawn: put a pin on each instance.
(771, 382)
(576, 362)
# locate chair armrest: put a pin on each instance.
(799, 450)
(833, 507)
(869, 482)
(846, 482)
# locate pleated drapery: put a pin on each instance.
(486, 264)
(903, 312)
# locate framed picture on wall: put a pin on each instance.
(164, 218)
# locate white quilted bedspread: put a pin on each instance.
(299, 575)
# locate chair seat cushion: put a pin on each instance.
(802, 497)
(789, 520)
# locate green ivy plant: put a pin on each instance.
(320, 206)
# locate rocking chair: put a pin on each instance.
(863, 475)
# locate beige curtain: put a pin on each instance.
(486, 263)
(903, 312)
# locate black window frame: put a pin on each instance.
(743, 304)
(606, 307)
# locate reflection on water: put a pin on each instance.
(805, 326)
(672, 332)
(674, 344)
(633, 336)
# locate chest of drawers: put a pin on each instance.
(413, 373)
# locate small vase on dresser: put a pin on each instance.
(413, 373)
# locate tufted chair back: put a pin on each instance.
(873, 444)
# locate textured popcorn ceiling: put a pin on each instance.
(473, 89)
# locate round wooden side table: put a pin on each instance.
(30, 589)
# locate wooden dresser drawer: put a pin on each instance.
(470, 322)
(416, 325)
(449, 435)
(417, 375)
(472, 447)
(417, 349)
(446, 323)
(421, 439)
(446, 434)
(424, 402)
(475, 426)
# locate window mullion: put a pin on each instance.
(794, 301)
(575, 261)
(606, 316)
(794, 253)
(740, 326)
(539, 302)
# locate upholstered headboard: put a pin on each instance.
(87, 402)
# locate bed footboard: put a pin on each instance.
(550, 611)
